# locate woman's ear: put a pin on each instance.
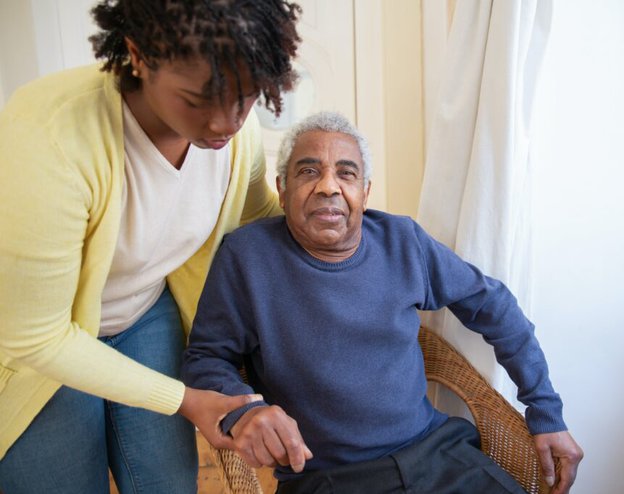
(138, 66)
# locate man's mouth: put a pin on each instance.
(328, 214)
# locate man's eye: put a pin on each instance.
(307, 171)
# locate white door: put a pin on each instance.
(326, 64)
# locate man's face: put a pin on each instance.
(325, 197)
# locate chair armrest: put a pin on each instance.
(237, 476)
(504, 434)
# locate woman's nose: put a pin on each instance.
(225, 122)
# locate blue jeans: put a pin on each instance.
(73, 441)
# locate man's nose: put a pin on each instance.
(327, 184)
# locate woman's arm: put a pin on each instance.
(51, 215)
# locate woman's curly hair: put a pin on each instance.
(260, 33)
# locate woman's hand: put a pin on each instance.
(206, 409)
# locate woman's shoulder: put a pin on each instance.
(70, 120)
(73, 91)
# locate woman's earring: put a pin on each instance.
(135, 73)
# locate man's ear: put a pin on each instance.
(280, 191)
(366, 192)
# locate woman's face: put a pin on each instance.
(175, 104)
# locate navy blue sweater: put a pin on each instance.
(335, 344)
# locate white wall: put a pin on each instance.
(579, 229)
(403, 106)
(42, 36)
(18, 62)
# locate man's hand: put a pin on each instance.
(558, 445)
(206, 409)
(266, 436)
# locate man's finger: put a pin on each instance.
(296, 450)
(275, 447)
(251, 460)
(567, 476)
(263, 455)
(548, 466)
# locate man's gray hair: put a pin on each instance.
(327, 122)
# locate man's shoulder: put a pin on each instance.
(393, 230)
(376, 220)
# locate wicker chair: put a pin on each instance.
(237, 477)
(504, 435)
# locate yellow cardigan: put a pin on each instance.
(61, 176)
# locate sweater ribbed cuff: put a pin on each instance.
(166, 396)
(545, 420)
(231, 418)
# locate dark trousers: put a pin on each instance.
(448, 461)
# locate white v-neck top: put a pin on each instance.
(167, 215)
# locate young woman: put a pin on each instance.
(117, 183)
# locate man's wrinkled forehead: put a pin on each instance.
(312, 146)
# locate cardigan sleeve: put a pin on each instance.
(47, 219)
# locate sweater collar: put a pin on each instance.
(350, 262)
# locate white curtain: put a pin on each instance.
(481, 61)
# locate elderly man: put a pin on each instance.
(320, 306)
